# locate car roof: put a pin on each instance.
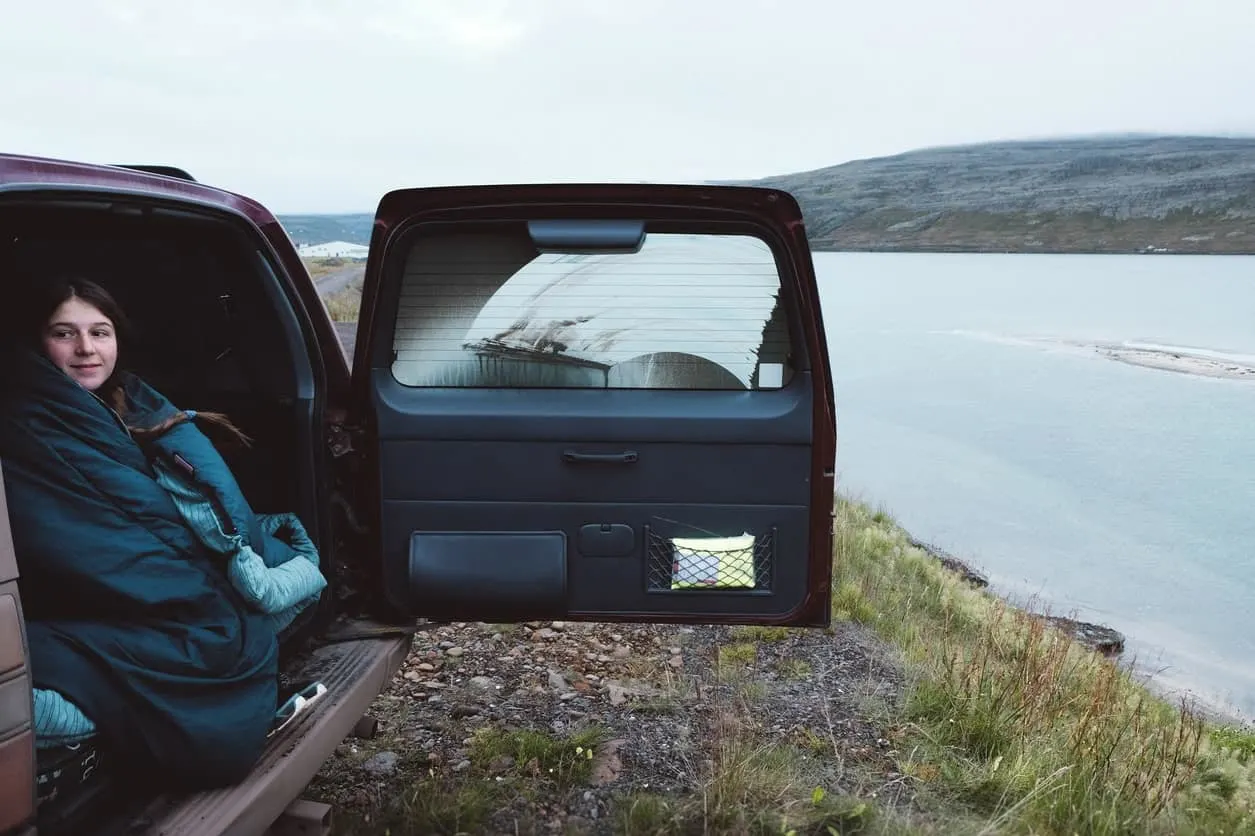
(18, 171)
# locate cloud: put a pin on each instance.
(326, 104)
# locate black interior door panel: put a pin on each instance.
(611, 421)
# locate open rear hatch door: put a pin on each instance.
(597, 402)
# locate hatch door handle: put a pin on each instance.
(626, 457)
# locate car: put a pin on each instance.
(600, 402)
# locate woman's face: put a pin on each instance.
(82, 342)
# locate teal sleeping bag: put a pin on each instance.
(130, 616)
(269, 559)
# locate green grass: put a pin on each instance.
(748, 789)
(564, 761)
(741, 653)
(319, 267)
(734, 662)
(505, 764)
(430, 806)
(758, 633)
(1238, 742)
(1016, 727)
(794, 668)
(344, 305)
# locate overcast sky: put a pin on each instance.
(323, 105)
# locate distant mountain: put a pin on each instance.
(1101, 194)
(1129, 193)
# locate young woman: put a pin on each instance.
(145, 575)
(80, 324)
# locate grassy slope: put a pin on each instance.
(1017, 727)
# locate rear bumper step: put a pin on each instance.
(354, 672)
(303, 818)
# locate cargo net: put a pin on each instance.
(735, 563)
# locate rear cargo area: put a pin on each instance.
(214, 332)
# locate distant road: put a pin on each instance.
(333, 283)
(337, 280)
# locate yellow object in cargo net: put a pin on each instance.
(718, 562)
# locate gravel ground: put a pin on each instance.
(665, 699)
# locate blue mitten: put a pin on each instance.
(273, 589)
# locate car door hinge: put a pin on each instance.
(341, 438)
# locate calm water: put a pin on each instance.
(1123, 494)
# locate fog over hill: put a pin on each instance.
(1093, 194)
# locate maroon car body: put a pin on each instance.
(452, 476)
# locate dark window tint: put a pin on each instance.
(685, 311)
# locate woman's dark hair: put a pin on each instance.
(39, 300)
